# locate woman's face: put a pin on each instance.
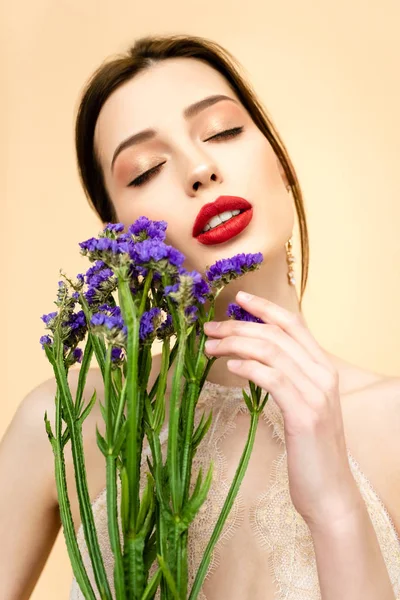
(193, 167)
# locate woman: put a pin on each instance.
(163, 131)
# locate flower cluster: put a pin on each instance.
(189, 289)
(109, 321)
(226, 270)
(101, 282)
(70, 325)
(157, 256)
(133, 253)
(143, 229)
(238, 313)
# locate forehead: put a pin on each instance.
(154, 97)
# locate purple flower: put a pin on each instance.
(175, 257)
(171, 289)
(78, 354)
(101, 282)
(89, 245)
(191, 314)
(190, 288)
(201, 290)
(155, 255)
(116, 355)
(227, 269)
(148, 324)
(238, 313)
(99, 264)
(109, 247)
(49, 317)
(76, 321)
(114, 227)
(149, 250)
(143, 228)
(46, 339)
(111, 319)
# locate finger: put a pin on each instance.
(270, 355)
(292, 323)
(272, 334)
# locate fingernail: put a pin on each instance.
(245, 296)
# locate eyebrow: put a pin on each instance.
(189, 112)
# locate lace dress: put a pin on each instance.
(266, 550)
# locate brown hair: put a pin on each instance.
(143, 54)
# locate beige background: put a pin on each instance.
(328, 74)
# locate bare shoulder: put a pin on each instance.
(372, 424)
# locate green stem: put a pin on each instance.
(113, 529)
(173, 430)
(111, 487)
(132, 442)
(182, 566)
(87, 356)
(120, 410)
(187, 453)
(240, 472)
(85, 507)
(172, 356)
(145, 293)
(74, 553)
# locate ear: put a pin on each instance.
(283, 174)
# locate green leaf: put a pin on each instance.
(101, 442)
(200, 434)
(66, 437)
(168, 577)
(198, 483)
(150, 551)
(248, 401)
(195, 502)
(124, 499)
(264, 402)
(48, 428)
(149, 411)
(146, 502)
(120, 438)
(152, 586)
(103, 411)
(88, 408)
(87, 357)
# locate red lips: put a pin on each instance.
(220, 205)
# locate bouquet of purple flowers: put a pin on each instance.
(138, 291)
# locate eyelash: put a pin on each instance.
(228, 133)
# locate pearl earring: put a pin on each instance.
(290, 258)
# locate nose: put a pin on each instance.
(203, 173)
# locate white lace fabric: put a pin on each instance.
(265, 551)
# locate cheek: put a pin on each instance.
(274, 202)
(266, 165)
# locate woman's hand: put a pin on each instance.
(282, 357)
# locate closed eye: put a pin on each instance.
(145, 176)
(227, 133)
